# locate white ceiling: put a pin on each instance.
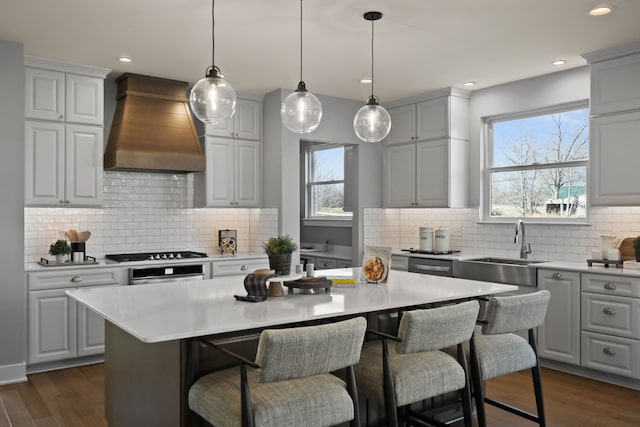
(420, 45)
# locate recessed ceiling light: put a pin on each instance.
(366, 81)
(559, 62)
(601, 10)
(125, 59)
(469, 83)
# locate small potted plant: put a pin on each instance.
(60, 249)
(636, 246)
(279, 251)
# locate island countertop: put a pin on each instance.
(170, 311)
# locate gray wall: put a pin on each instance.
(522, 95)
(13, 309)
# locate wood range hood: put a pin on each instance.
(152, 128)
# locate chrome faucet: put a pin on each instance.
(525, 248)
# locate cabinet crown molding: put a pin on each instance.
(440, 93)
(612, 52)
(66, 67)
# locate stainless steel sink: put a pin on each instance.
(513, 271)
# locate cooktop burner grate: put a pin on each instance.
(418, 251)
(155, 256)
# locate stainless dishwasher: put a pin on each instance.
(435, 267)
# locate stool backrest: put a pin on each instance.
(436, 328)
(515, 313)
(285, 354)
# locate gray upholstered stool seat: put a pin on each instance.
(503, 354)
(313, 401)
(290, 382)
(414, 369)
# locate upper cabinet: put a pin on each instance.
(245, 123)
(64, 111)
(445, 115)
(615, 125)
(425, 154)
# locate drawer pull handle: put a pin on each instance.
(557, 276)
(609, 310)
(76, 279)
(610, 286)
(609, 351)
(244, 267)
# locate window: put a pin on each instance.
(537, 165)
(326, 182)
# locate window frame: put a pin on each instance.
(488, 169)
(310, 183)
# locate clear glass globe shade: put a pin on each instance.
(301, 112)
(212, 100)
(372, 123)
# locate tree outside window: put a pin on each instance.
(326, 182)
(537, 165)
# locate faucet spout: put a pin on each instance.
(525, 248)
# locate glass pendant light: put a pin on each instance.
(212, 98)
(372, 122)
(301, 111)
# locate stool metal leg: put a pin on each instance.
(537, 382)
(478, 391)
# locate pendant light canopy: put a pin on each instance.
(212, 98)
(372, 122)
(301, 111)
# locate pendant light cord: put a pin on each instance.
(372, 80)
(300, 40)
(213, 35)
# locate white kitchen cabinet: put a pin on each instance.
(613, 169)
(59, 328)
(323, 263)
(246, 123)
(444, 115)
(614, 84)
(238, 267)
(64, 108)
(426, 174)
(559, 336)
(63, 164)
(233, 174)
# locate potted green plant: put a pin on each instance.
(636, 246)
(60, 249)
(279, 251)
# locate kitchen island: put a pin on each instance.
(150, 360)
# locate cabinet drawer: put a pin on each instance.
(73, 278)
(611, 285)
(619, 356)
(618, 316)
(325, 263)
(343, 263)
(238, 267)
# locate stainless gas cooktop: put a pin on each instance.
(155, 256)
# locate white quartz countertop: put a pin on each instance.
(169, 311)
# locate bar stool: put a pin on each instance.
(414, 369)
(291, 384)
(496, 350)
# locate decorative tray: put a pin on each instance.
(47, 263)
(606, 262)
(309, 284)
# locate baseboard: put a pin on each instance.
(10, 374)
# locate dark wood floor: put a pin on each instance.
(75, 398)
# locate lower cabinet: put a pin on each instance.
(58, 327)
(559, 336)
(236, 267)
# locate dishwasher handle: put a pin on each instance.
(431, 268)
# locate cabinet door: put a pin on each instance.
(84, 99)
(433, 119)
(247, 173)
(399, 179)
(325, 263)
(615, 85)
(403, 124)
(219, 174)
(247, 119)
(559, 336)
(44, 97)
(83, 161)
(613, 169)
(432, 174)
(220, 129)
(90, 332)
(52, 326)
(44, 163)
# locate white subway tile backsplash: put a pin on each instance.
(147, 212)
(399, 228)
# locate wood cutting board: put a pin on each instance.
(627, 251)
